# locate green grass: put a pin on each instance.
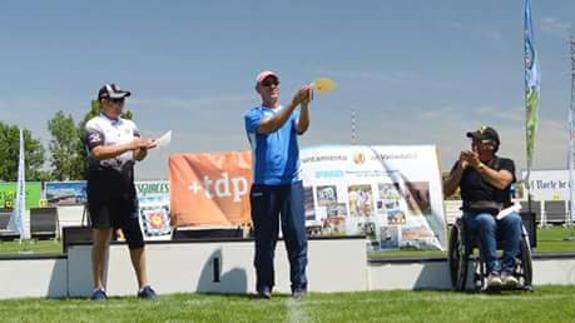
(551, 239)
(546, 304)
(31, 246)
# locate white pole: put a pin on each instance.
(570, 157)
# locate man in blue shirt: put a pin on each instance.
(277, 187)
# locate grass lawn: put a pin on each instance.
(546, 304)
(31, 247)
(551, 239)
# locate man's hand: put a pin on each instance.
(143, 143)
(464, 156)
(309, 95)
(141, 147)
(472, 159)
(302, 96)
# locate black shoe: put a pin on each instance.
(298, 293)
(265, 292)
(147, 292)
(99, 295)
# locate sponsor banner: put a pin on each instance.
(65, 193)
(391, 194)
(154, 209)
(8, 194)
(210, 189)
(549, 184)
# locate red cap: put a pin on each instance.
(263, 75)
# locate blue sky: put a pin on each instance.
(416, 72)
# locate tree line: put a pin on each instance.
(67, 153)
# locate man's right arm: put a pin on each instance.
(95, 143)
(271, 124)
(451, 184)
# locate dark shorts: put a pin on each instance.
(119, 212)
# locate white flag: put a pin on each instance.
(17, 223)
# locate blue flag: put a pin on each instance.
(532, 85)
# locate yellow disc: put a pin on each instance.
(324, 85)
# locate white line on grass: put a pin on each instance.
(295, 311)
(435, 298)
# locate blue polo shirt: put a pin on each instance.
(275, 156)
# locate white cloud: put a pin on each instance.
(446, 128)
(555, 26)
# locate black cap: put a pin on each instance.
(112, 91)
(483, 133)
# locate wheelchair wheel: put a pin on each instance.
(526, 266)
(458, 258)
(480, 273)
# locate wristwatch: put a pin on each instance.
(481, 166)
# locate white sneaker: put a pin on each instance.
(494, 281)
(509, 280)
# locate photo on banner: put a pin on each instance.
(65, 193)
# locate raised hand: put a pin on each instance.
(471, 158)
(302, 96)
(463, 156)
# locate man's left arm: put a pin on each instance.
(140, 154)
(303, 120)
(499, 178)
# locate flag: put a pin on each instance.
(532, 86)
(17, 223)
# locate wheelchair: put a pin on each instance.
(461, 253)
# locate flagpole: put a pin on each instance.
(571, 152)
(527, 17)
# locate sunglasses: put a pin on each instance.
(484, 142)
(117, 101)
(268, 83)
(487, 142)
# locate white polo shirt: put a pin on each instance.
(102, 130)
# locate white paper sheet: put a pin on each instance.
(164, 139)
(505, 212)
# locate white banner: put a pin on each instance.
(391, 194)
(549, 184)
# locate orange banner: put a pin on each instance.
(210, 189)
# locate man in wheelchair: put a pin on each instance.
(484, 180)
